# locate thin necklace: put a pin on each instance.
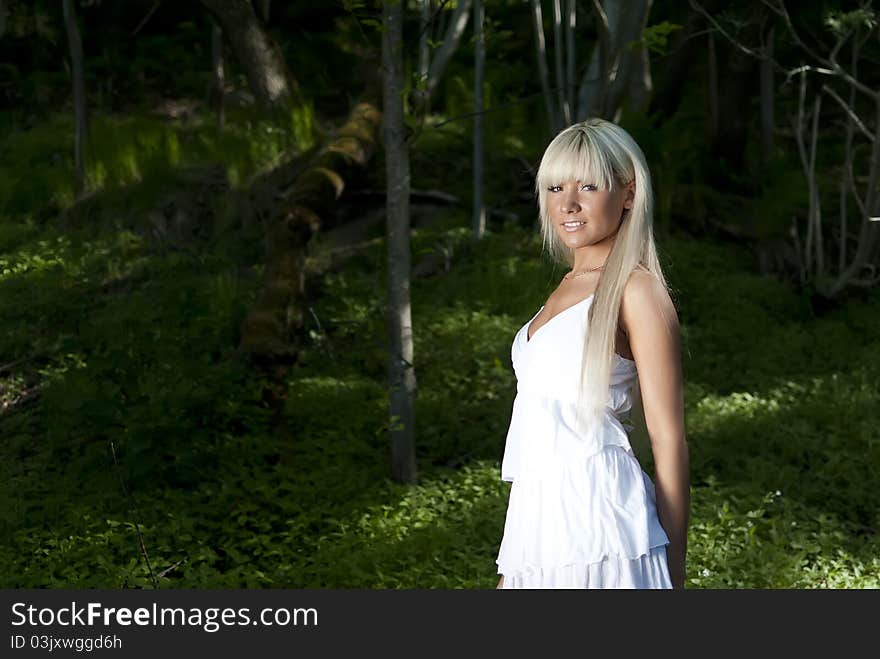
(583, 272)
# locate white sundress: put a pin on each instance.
(582, 511)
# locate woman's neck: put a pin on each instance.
(592, 256)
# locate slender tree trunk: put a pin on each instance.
(424, 50)
(868, 243)
(846, 179)
(673, 68)
(401, 367)
(641, 82)
(479, 216)
(451, 39)
(570, 90)
(594, 81)
(558, 50)
(768, 91)
(737, 83)
(603, 88)
(218, 74)
(869, 235)
(713, 87)
(80, 111)
(256, 52)
(816, 203)
(632, 82)
(543, 72)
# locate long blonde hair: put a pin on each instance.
(603, 153)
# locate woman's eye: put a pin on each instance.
(554, 188)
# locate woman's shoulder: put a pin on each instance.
(642, 281)
(645, 292)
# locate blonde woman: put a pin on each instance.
(582, 512)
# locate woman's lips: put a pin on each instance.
(572, 229)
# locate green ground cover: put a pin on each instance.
(127, 351)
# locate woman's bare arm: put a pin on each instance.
(651, 323)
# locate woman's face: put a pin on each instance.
(582, 214)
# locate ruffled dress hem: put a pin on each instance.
(646, 571)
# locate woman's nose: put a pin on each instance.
(569, 202)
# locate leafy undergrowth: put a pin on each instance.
(131, 160)
(127, 420)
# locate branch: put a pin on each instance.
(428, 23)
(783, 12)
(852, 186)
(758, 54)
(850, 112)
(147, 17)
(829, 67)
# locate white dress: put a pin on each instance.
(582, 512)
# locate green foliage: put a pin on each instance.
(139, 156)
(656, 37)
(841, 22)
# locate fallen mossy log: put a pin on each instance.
(267, 335)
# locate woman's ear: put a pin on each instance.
(630, 197)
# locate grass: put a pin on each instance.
(131, 159)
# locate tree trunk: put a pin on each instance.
(673, 68)
(479, 215)
(869, 231)
(603, 88)
(733, 115)
(218, 75)
(570, 25)
(451, 39)
(256, 52)
(768, 91)
(712, 84)
(79, 94)
(543, 72)
(641, 83)
(424, 34)
(633, 73)
(558, 49)
(401, 368)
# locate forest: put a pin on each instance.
(261, 263)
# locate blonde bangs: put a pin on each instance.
(575, 156)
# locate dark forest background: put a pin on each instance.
(210, 247)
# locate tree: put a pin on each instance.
(439, 62)
(543, 72)
(218, 74)
(256, 52)
(479, 214)
(401, 369)
(79, 93)
(858, 267)
(615, 68)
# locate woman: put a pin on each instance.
(582, 513)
